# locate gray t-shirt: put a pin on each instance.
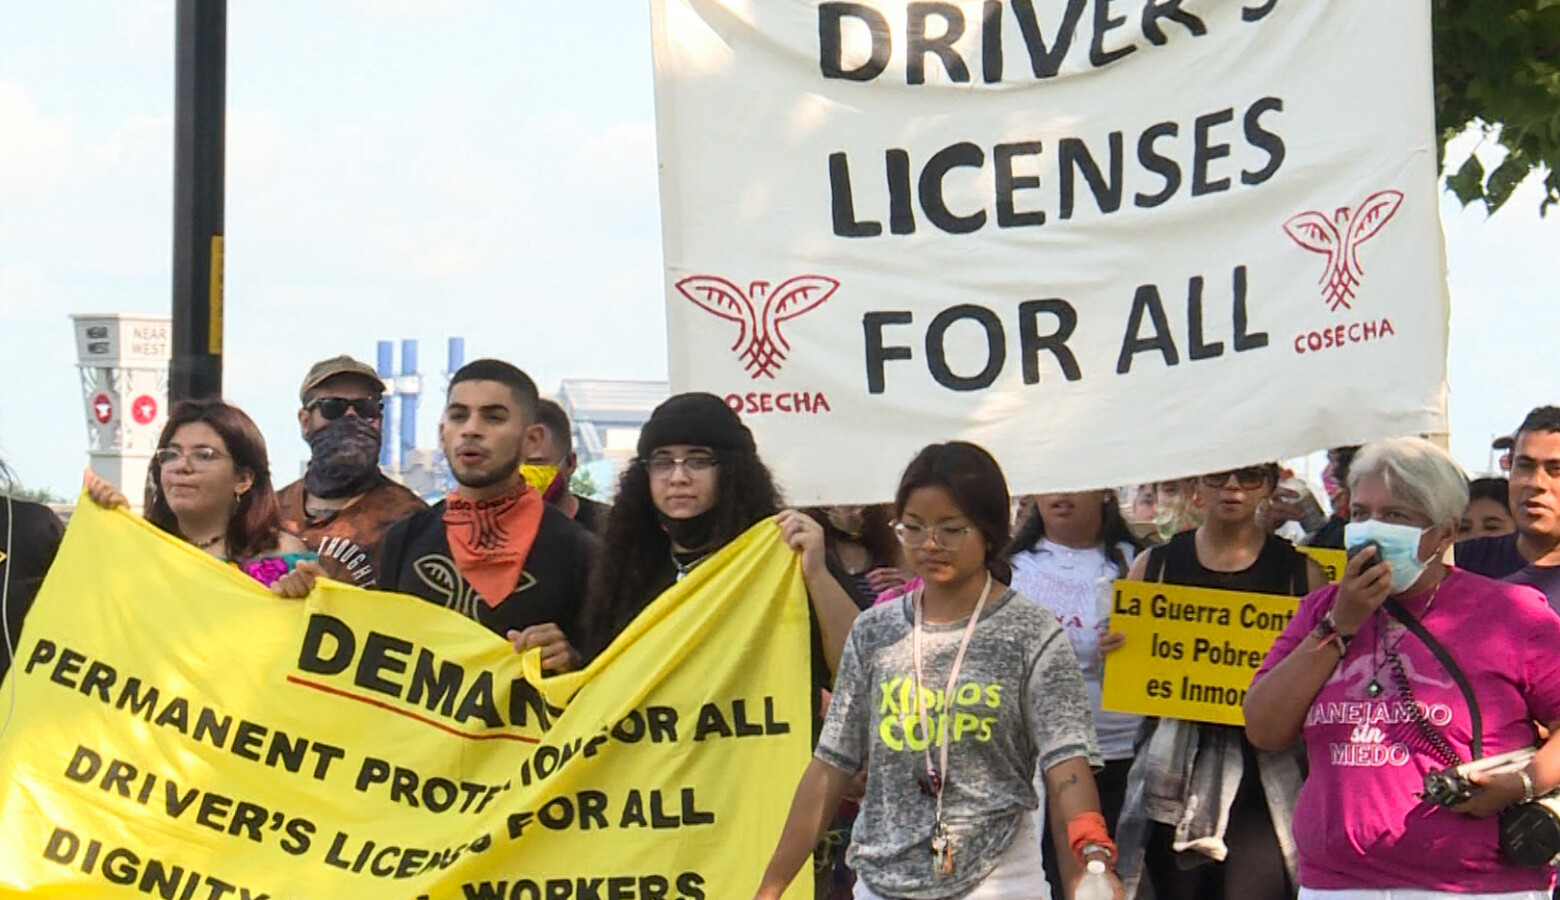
(1020, 701)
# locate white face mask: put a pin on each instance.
(1398, 546)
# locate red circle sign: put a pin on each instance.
(102, 409)
(144, 409)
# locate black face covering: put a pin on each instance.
(694, 533)
(345, 459)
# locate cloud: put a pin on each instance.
(256, 146)
(25, 289)
(408, 7)
(35, 151)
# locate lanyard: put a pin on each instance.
(937, 776)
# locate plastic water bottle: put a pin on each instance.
(1094, 885)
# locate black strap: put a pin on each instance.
(388, 573)
(1393, 607)
(1155, 570)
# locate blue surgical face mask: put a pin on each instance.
(1398, 546)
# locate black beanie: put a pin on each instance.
(700, 419)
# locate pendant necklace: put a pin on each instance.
(1374, 688)
(936, 779)
(208, 544)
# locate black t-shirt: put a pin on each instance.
(590, 515)
(1278, 569)
(24, 560)
(1498, 557)
(415, 559)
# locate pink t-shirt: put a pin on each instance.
(1358, 823)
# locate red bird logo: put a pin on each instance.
(1339, 239)
(759, 312)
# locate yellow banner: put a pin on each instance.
(1331, 561)
(1190, 652)
(180, 733)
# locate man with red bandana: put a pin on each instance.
(494, 550)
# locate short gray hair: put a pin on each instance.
(1417, 473)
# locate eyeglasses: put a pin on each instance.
(948, 537)
(662, 466)
(1247, 479)
(333, 408)
(195, 457)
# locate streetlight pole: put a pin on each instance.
(200, 89)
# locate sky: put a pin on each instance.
(434, 168)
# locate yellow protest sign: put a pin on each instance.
(180, 733)
(1190, 652)
(1332, 561)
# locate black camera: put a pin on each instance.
(1447, 787)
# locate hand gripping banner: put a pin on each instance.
(1112, 241)
(180, 733)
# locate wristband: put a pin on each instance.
(1327, 633)
(1086, 831)
(1527, 785)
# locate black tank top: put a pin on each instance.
(1278, 569)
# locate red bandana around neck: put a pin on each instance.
(490, 539)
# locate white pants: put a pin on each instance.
(1018, 875)
(1410, 894)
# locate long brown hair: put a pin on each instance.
(255, 526)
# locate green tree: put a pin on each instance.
(1497, 70)
(583, 484)
(35, 495)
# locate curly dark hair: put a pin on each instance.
(1113, 532)
(255, 526)
(635, 548)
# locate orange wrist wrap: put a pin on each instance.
(1088, 828)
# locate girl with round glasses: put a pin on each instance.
(1214, 818)
(210, 484)
(949, 698)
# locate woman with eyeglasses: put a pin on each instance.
(210, 485)
(949, 699)
(1409, 666)
(1207, 814)
(697, 485)
(1070, 548)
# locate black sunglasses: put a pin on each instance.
(1247, 479)
(333, 408)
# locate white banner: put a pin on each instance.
(1109, 240)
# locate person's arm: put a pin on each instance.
(831, 604)
(1074, 797)
(1139, 568)
(1315, 575)
(1067, 868)
(817, 798)
(1532, 619)
(1496, 792)
(1277, 702)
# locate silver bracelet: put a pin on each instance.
(1527, 785)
